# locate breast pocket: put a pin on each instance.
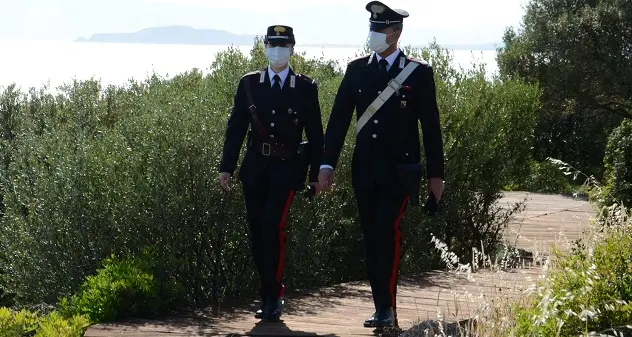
(296, 110)
(294, 116)
(405, 96)
(290, 121)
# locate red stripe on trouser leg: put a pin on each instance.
(288, 202)
(398, 234)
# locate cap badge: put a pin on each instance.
(377, 9)
(279, 30)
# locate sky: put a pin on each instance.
(315, 21)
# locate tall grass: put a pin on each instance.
(583, 287)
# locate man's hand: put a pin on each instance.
(326, 178)
(224, 180)
(435, 189)
(317, 188)
(435, 185)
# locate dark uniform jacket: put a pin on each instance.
(284, 116)
(391, 136)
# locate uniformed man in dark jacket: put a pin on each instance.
(276, 161)
(387, 154)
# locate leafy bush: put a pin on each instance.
(545, 177)
(17, 323)
(94, 171)
(29, 323)
(618, 166)
(121, 289)
(55, 325)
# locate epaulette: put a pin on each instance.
(360, 59)
(306, 78)
(418, 60)
(256, 72)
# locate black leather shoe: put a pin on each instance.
(273, 309)
(259, 313)
(381, 318)
(369, 322)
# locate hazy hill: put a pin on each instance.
(193, 36)
(173, 35)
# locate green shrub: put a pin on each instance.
(93, 171)
(54, 325)
(29, 323)
(17, 323)
(121, 289)
(545, 177)
(588, 289)
(618, 166)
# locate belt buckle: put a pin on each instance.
(263, 149)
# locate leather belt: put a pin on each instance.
(268, 150)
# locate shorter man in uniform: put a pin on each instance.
(275, 164)
(386, 167)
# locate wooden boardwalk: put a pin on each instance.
(341, 309)
(547, 219)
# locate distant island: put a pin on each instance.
(192, 36)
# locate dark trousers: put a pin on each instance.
(267, 206)
(381, 209)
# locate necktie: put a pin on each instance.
(277, 82)
(383, 65)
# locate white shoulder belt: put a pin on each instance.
(393, 86)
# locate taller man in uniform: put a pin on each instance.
(387, 147)
(278, 104)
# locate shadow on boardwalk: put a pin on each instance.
(279, 329)
(339, 310)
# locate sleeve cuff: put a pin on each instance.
(326, 166)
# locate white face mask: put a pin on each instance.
(278, 56)
(377, 41)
